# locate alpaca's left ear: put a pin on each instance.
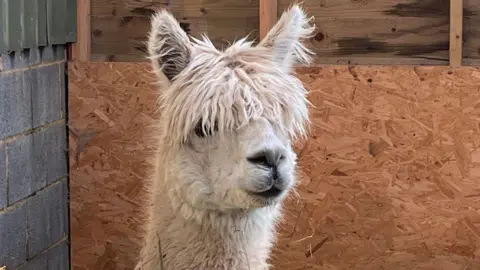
(168, 46)
(286, 38)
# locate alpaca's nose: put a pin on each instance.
(270, 158)
(267, 157)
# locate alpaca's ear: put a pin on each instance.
(168, 45)
(286, 38)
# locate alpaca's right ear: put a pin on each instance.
(287, 36)
(168, 46)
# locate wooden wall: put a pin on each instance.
(389, 174)
(349, 31)
(119, 27)
(471, 32)
(412, 31)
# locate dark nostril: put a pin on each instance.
(267, 158)
(261, 159)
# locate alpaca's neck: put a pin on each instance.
(228, 224)
(234, 240)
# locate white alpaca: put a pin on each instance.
(225, 162)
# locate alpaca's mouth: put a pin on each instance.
(269, 193)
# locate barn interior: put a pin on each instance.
(388, 173)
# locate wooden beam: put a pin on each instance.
(268, 16)
(456, 32)
(82, 48)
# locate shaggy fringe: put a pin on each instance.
(224, 90)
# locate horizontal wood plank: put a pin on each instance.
(471, 32)
(119, 27)
(405, 31)
(191, 8)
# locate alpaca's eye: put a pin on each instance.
(199, 131)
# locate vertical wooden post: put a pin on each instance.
(268, 16)
(81, 49)
(456, 32)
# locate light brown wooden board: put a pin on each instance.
(268, 16)
(456, 33)
(389, 174)
(380, 31)
(119, 27)
(82, 48)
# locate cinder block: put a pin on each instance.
(47, 218)
(39, 262)
(46, 94)
(13, 232)
(3, 176)
(36, 160)
(49, 149)
(58, 257)
(15, 104)
(63, 88)
(54, 258)
(21, 169)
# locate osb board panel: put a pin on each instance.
(391, 171)
(109, 106)
(119, 27)
(379, 32)
(471, 32)
(389, 174)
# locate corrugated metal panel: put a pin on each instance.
(41, 6)
(56, 20)
(72, 20)
(27, 24)
(29, 19)
(13, 31)
(3, 45)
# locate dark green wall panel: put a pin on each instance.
(13, 36)
(42, 22)
(71, 29)
(29, 18)
(26, 24)
(3, 45)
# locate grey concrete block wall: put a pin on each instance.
(34, 221)
(15, 104)
(3, 176)
(13, 228)
(47, 219)
(36, 160)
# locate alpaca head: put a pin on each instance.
(228, 116)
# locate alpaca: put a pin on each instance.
(225, 162)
